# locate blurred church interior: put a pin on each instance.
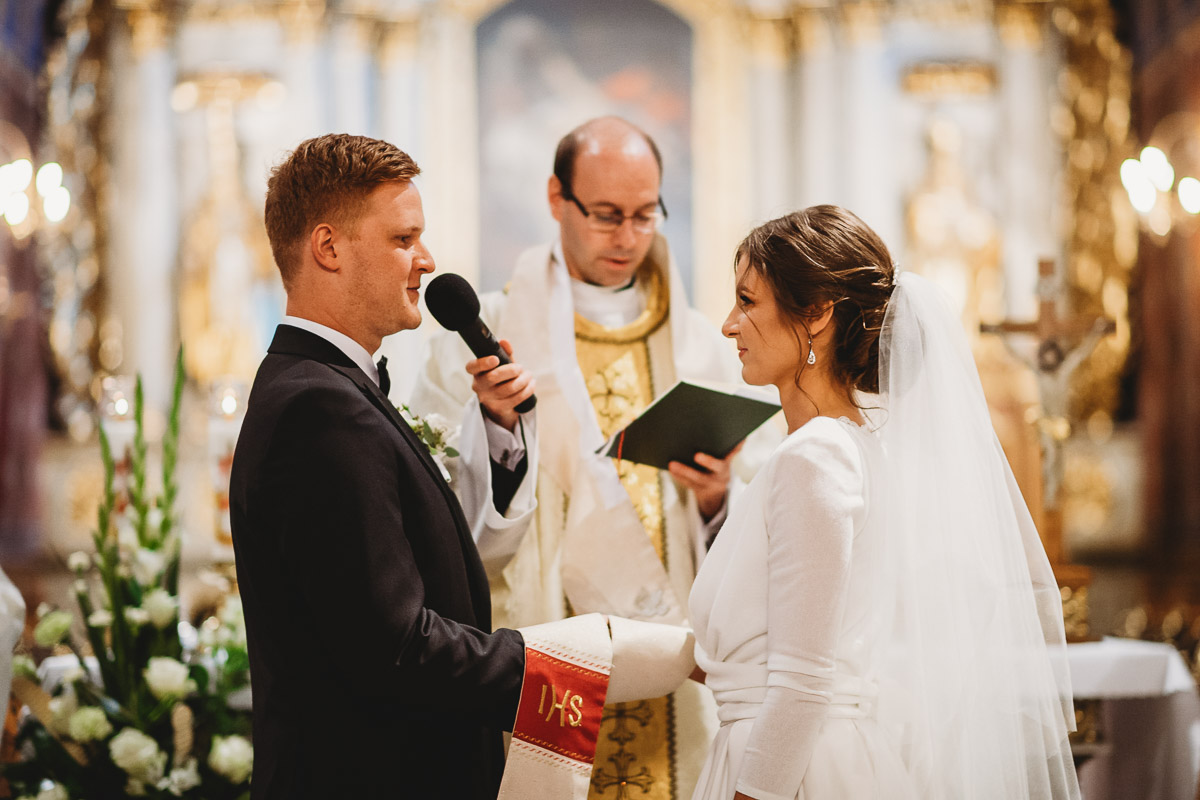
(1037, 158)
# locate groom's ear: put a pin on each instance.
(323, 244)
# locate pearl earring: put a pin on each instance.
(812, 357)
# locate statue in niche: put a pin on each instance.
(954, 241)
(231, 296)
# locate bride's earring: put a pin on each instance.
(812, 357)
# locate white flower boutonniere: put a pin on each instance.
(435, 433)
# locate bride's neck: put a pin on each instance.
(816, 396)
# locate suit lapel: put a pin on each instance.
(294, 341)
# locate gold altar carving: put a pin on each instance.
(949, 77)
(214, 317)
(1093, 121)
(78, 95)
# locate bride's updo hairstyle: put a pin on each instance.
(825, 254)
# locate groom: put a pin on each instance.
(366, 604)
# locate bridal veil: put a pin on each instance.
(976, 686)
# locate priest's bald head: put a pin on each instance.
(605, 195)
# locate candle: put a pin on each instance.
(226, 411)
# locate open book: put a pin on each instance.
(690, 418)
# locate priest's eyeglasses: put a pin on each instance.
(608, 221)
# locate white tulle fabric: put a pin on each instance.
(976, 684)
(877, 617)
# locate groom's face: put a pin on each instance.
(388, 259)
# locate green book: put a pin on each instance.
(691, 418)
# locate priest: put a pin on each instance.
(600, 318)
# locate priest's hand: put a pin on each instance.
(709, 484)
(501, 387)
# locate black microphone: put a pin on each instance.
(455, 306)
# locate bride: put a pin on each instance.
(877, 618)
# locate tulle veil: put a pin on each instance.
(976, 686)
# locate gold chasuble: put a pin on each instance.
(636, 747)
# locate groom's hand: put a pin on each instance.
(501, 388)
(709, 484)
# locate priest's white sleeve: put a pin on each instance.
(498, 535)
(444, 387)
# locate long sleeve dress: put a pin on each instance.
(790, 626)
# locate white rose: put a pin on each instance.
(231, 614)
(61, 709)
(148, 565)
(53, 791)
(72, 674)
(79, 561)
(161, 607)
(167, 677)
(233, 757)
(89, 724)
(100, 618)
(136, 615)
(137, 754)
(181, 779)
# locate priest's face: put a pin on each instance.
(768, 342)
(608, 182)
(385, 260)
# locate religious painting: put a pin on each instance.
(545, 67)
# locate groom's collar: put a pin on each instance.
(350, 348)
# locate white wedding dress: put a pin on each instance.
(789, 627)
(877, 617)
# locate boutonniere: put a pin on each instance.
(435, 433)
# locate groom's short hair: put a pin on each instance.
(326, 179)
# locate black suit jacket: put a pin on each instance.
(367, 606)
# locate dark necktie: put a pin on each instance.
(385, 383)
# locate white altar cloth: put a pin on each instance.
(1150, 720)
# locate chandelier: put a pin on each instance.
(1162, 182)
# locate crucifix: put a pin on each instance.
(1054, 362)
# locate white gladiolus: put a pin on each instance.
(233, 757)
(148, 565)
(89, 724)
(167, 677)
(161, 607)
(138, 754)
(127, 539)
(79, 561)
(100, 618)
(136, 615)
(81, 586)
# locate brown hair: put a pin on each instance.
(821, 255)
(326, 179)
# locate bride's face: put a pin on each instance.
(768, 342)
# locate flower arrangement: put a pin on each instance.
(435, 433)
(148, 714)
